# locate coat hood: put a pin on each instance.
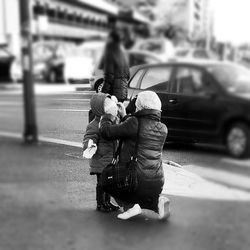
(97, 103)
(149, 113)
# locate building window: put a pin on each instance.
(197, 6)
(61, 15)
(79, 19)
(38, 10)
(51, 13)
(86, 20)
(70, 17)
(197, 16)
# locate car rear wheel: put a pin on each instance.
(99, 85)
(238, 140)
(52, 76)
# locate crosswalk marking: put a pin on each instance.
(70, 110)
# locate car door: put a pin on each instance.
(157, 79)
(134, 84)
(193, 110)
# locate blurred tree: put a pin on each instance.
(170, 20)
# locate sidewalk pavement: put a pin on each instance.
(48, 202)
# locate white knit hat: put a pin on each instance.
(148, 100)
(110, 106)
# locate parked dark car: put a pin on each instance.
(6, 59)
(203, 101)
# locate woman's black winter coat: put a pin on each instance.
(152, 137)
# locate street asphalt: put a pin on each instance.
(48, 202)
(47, 195)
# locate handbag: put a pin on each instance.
(118, 177)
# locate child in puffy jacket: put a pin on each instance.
(98, 150)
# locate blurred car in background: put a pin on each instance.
(194, 53)
(161, 47)
(135, 57)
(83, 65)
(48, 63)
(202, 101)
(6, 59)
(80, 65)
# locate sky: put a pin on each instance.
(232, 20)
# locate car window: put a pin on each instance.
(135, 79)
(191, 81)
(157, 78)
(233, 78)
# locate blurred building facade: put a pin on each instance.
(193, 16)
(73, 20)
(10, 25)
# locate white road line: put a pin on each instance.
(82, 93)
(78, 100)
(70, 110)
(43, 139)
(10, 134)
(49, 93)
(242, 163)
(61, 142)
(11, 103)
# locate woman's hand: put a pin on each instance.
(121, 109)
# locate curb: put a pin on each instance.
(10, 86)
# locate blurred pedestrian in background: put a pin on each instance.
(116, 68)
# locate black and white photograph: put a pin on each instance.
(124, 125)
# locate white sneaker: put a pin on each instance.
(163, 207)
(135, 210)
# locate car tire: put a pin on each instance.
(99, 85)
(238, 140)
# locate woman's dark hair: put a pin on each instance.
(115, 36)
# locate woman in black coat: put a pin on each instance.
(150, 173)
(116, 68)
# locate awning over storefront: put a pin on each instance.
(81, 18)
(102, 5)
(131, 15)
(140, 18)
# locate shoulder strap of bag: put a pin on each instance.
(118, 150)
(134, 157)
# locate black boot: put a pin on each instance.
(112, 207)
(100, 199)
